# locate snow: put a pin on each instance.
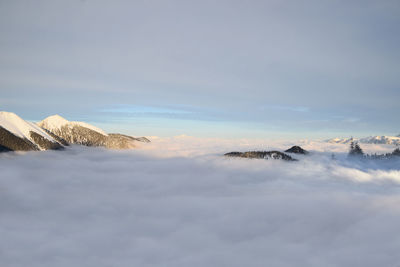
(19, 127)
(395, 140)
(381, 140)
(55, 122)
(89, 126)
(339, 140)
(182, 204)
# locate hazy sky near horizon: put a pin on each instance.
(206, 68)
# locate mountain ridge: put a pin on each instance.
(56, 122)
(18, 134)
(55, 132)
(377, 139)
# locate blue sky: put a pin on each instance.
(205, 68)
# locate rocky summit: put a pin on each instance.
(297, 150)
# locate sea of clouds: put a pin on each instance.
(178, 202)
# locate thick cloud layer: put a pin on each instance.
(93, 207)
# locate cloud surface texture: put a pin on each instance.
(93, 207)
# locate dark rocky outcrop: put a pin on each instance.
(261, 155)
(45, 143)
(297, 150)
(11, 142)
(4, 149)
(56, 137)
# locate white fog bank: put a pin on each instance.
(182, 205)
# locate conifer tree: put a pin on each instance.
(358, 150)
(355, 149)
(396, 152)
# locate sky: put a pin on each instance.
(254, 69)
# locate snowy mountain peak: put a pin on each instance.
(56, 122)
(19, 127)
(18, 134)
(53, 122)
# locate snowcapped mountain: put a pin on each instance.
(56, 123)
(55, 132)
(75, 132)
(390, 140)
(17, 134)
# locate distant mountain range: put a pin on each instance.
(55, 132)
(390, 140)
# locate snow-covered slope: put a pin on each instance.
(19, 127)
(390, 140)
(55, 132)
(56, 122)
(18, 134)
(341, 140)
(82, 133)
(74, 132)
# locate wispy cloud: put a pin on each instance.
(139, 109)
(285, 108)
